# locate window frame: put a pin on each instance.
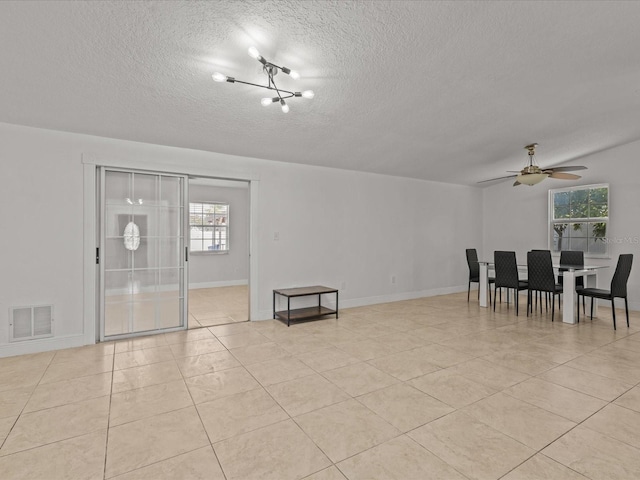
(551, 221)
(226, 227)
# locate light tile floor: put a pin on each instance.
(218, 306)
(433, 388)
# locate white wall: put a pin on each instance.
(335, 226)
(516, 218)
(231, 268)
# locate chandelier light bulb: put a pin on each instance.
(285, 107)
(308, 94)
(295, 75)
(267, 101)
(253, 52)
(219, 77)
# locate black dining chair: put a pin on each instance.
(542, 279)
(618, 288)
(474, 272)
(573, 257)
(546, 297)
(507, 277)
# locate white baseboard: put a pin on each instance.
(393, 297)
(223, 283)
(42, 345)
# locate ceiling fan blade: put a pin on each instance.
(516, 183)
(564, 176)
(566, 169)
(497, 178)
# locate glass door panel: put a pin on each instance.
(142, 253)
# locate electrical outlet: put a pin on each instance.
(393, 279)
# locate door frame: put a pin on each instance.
(91, 270)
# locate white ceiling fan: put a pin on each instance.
(532, 174)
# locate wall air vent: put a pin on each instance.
(30, 323)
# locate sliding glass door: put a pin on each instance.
(142, 253)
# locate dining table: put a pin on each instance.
(569, 274)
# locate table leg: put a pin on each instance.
(568, 297)
(274, 305)
(591, 281)
(484, 283)
(336, 305)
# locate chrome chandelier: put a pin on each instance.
(271, 70)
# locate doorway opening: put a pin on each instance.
(218, 290)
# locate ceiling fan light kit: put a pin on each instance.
(271, 70)
(531, 179)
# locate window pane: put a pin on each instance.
(579, 196)
(579, 210)
(578, 230)
(207, 238)
(561, 211)
(598, 195)
(560, 240)
(220, 238)
(598, 210)
(597, 246)
(561, 198)
(598, 230)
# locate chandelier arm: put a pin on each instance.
(275, 86)
(291, 94)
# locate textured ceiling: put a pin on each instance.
(445, 91)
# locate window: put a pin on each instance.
(579, 217)
(209, 227)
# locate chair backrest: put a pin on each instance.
(621, 275)
(572, 257)
(506, 269)
(472, 261)
(540, 271)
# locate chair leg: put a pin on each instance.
(553, 305)
(591, 308)
(546, 302)
(584, 310)
(613, 311)
(626, 309)
(468, 291)
(478, 291)
(528, 301)
(515, 294)
(495, 296)
(489, 293)
(578, 307)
